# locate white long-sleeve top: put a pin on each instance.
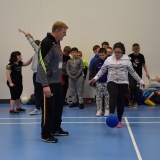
(35, 56)
(118, 70)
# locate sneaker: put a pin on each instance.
(130, 103)
(119, 125)
(49, 140)
(13, 111)
(21, 110)
(60, 132)
(73, 105)
(99, 111)
(135, 105)
(106, 113)
(36, 111)
(81, 106)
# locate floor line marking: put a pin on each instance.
(133, 140)
(84, 123)
(85, 117)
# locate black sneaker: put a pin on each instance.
(60, 132)
(81, 106)
(49, 140)
(13, 112)
(21, 110)
(73, 105)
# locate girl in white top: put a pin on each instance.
(118, 66)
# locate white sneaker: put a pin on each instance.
(106, 112)
(99, 112)
(36, 111)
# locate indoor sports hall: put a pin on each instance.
(89, 136)
(88, 23)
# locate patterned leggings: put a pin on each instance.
(101, 91)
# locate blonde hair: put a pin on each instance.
(59, 26)
(135, 47)
(80, 53)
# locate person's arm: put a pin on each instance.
(134, 74)
(90, 64)
(28, 62)
(81, 69)
(8, 75)
(67, 69)
(146, 70)
(31, 40)
(102, 70)
(25, 33)
(92, 71)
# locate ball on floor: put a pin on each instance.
(112, 121)
(24, 100)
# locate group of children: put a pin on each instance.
(74, 71)
(137, 59)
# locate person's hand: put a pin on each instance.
(25, 33)
(147, 75)
(92, 81)
(47, 91)
(143, 86)
(74, 78)
(11, 84)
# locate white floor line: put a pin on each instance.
(62, 122)
(141, 117)
(133, 140)
(145, 122)
(82, 117)
(83, 123)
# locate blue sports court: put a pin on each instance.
(89, 136)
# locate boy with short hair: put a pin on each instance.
(105, 45)
(137, 60)
(95, 50)
(109, 51)
(101, 85)
(74, 70)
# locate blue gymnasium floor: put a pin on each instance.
(89, 137)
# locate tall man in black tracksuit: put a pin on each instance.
(49, 83)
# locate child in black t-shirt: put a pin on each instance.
(14, 80)
(138, 61)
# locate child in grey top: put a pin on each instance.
(74, 70)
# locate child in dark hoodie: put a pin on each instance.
(101, 85)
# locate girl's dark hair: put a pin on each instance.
(119, 45)
(37, 42)
(13, 57)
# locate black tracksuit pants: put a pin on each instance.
(52, 109)
(117, 94)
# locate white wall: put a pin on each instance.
(90, 22)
